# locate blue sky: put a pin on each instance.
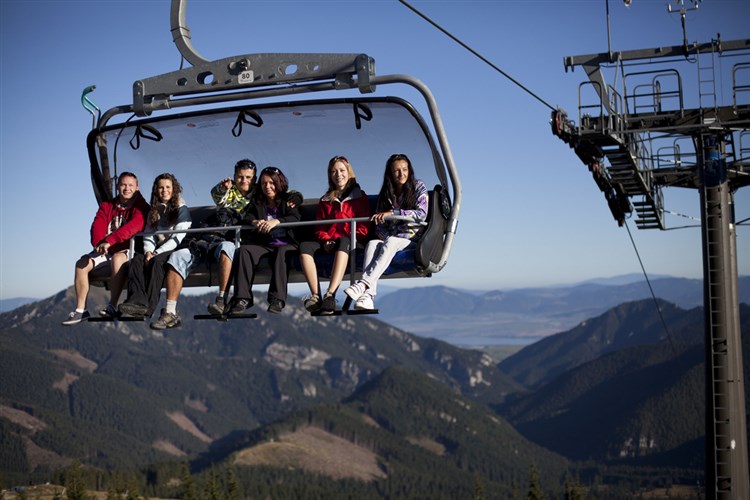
(532, 215)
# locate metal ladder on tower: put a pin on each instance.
(707, 82)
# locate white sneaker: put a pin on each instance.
(364, 303)
(356, 290)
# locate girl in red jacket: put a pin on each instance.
(344, 200)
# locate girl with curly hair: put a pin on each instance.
(146, 274)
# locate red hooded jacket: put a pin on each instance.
(133, 221)
(354, 204)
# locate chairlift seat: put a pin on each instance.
(408, 263)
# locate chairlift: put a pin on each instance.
(292, 110)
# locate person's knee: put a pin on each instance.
(83, 263)
(225, 258)
(225, 250)
(173, 274)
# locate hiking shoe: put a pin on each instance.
(236, 306)
(109, 312)
(275, 306)
(312, 303)
(75, 317)
(329, 304)
(166, 320)
(133, 309)
(364, 303)
(356, 290)
(217, 308)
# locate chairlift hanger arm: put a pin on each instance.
(181, 34)
(253, 71)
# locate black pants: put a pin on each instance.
(145, 280)
(246, 262)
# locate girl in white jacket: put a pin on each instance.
(146, 273)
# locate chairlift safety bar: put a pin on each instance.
(238, 228)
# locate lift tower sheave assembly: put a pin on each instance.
(640, 137)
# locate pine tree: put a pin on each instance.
(535, 490)
(213, 487)
(112, 492)
(188, 486)
(133, 488)
(514, 490)
(233, 488)
(478, 489)
(573, 490)
(75, 485)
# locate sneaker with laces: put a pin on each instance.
(356, 290)
(109, 312)
(133, 309)
(364, 303)
(166, 320)
(217, 307)
(75, 317)
(236, 306)
(329, 304)
(313, 303)
(275, 306)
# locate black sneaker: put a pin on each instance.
(236, 306)
(166, 320)
(217, 307)
(329, 305)
(75, 317)
(313, 303)
(109, 312)
(275, 306)
(133, 309)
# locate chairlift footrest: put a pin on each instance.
(355, 312)
(101, 319)
(225, 317)
(337, 312)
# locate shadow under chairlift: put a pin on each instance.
(198, 121)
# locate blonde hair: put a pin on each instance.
(332, 189)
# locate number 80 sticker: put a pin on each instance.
(246, 77)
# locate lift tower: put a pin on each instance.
(638, 137)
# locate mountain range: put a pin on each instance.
(350, 405)
(525, 315)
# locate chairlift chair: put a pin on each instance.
(294, 111)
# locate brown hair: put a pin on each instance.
(173, 205)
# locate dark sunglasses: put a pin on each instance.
(338, 158)
(270, 170)
(243, 164)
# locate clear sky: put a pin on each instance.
(532, 215)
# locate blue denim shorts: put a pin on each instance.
(227, 247)
(183, 261)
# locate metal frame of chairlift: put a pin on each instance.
(256, 76)
(617, 135)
